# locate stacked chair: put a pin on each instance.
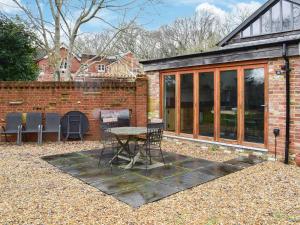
(34, 125)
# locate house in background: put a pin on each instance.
(46, 70)
(118, 66)
(239, 94)
(123, 65)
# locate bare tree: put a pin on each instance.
(68, 17)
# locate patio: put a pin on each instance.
(137, 186)
(34, 191)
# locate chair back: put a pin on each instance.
(106, 136)
(13, 121)
(154, 133)
(123, 116)
(74, 123)
(33, 121)
(52, 122)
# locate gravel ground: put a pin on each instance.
(34, 192)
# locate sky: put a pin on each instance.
(153, 16)
(172, 9)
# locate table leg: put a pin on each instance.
(133, 161)
(124, 147)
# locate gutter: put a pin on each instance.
(288, 104)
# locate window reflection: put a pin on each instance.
(256, 27)
(169, 102)
(206, 104)
(186, 103)
(283, 16)
(228, 111)
(296, 15)
(254, 105)
(266, 23)
(247, 32)
(276, 18)
(287, 15)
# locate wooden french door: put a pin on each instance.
(225, 104)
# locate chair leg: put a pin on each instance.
(67, 137)
(40, 139)
(149, 153)
(100, 157)
(162, 156)
(146, 161)
(58, 135)
(21, 138)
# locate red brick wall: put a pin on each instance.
(88, 98)
(277, 103)
(295, 104)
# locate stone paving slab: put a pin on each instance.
(137, 186)
(149, 192)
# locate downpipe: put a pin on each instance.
(288, 105)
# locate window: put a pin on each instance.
(256, 27)
(169, 102)
(64, 64)
(206, 104)
(224, 104)
(228, 104)
(287, 20)
(296, 16)
(254, 103)
(276, 18)
(186, 103)
(266, 23)
(247, 32)
(283, 16)
(101, 68)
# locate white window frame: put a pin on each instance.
(63, 65)
(101, 68)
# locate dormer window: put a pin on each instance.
(101, 68)
(64, 64)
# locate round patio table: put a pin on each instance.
(130, 134)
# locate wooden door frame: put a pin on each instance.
(216, 69)
(225, 140)
(198, 72)
(266, 103)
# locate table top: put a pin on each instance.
(128, 130)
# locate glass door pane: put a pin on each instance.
(228, 104)
(254, 105)
(169, 102)
(186, 103)
(206, 104)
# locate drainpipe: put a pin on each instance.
(288, 116)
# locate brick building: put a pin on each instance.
(123, 65)
(46, 70)
(236, 95)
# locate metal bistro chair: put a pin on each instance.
(33, 125)
(13, 125)
(153, 141)
(107, 139)
(52, 125)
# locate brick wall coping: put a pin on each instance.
(67, 85)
